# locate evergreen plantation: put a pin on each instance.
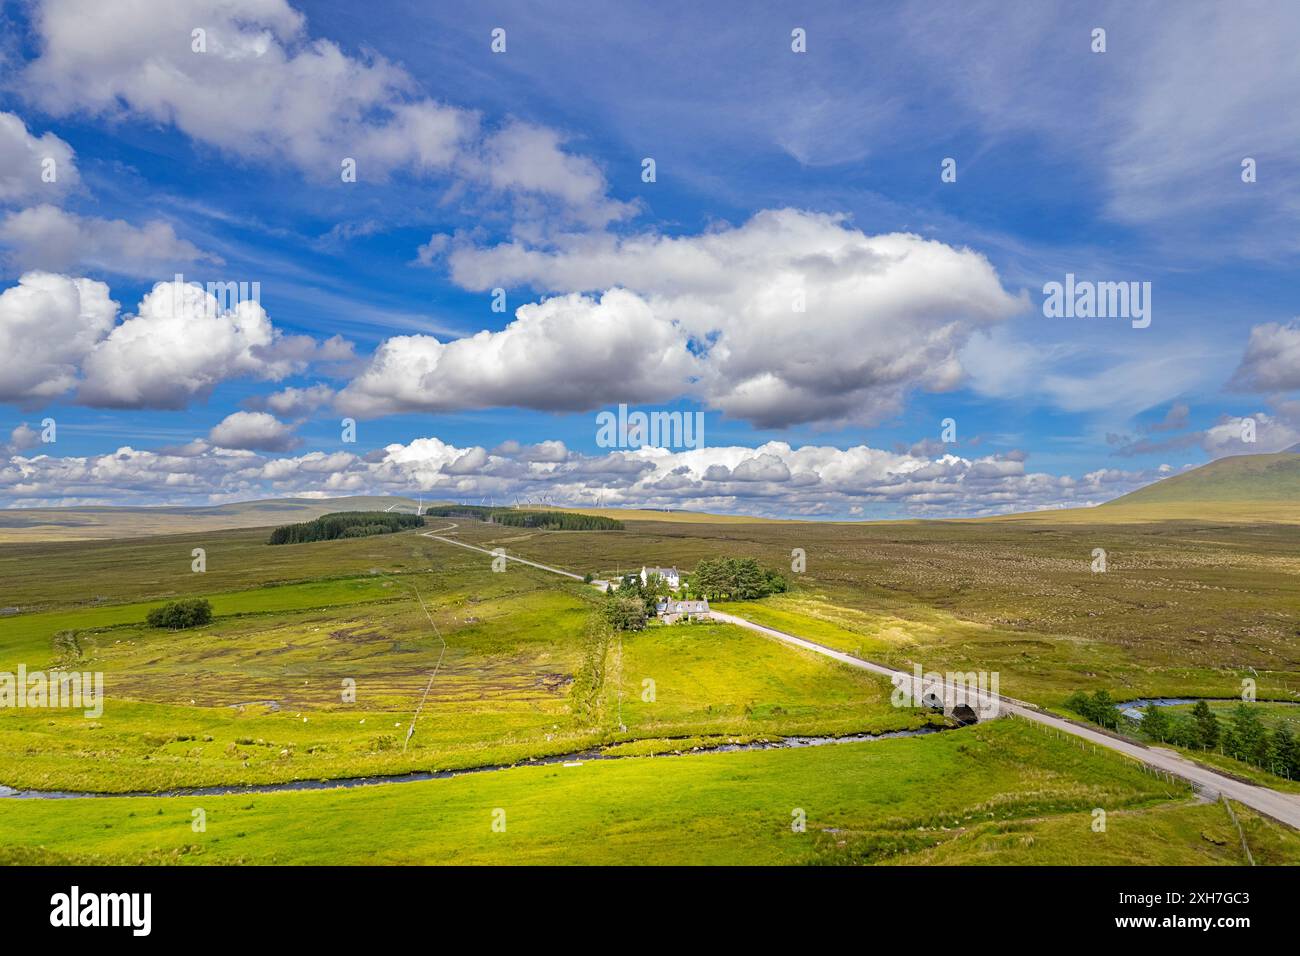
(344, 524)
(544, 520)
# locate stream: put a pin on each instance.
(570, 759)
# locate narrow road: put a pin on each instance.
(1284, 807)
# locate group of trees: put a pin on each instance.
(546, 520)
(734, 579)
(174, 615)
(629, 604)
(459, 511)
(1241, 735)
(1098, 707)
(345, 524)
(555, 520)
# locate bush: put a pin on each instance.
(176, 615)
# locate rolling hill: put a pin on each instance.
(1239, 489)
(98, 522)
(1238, 479)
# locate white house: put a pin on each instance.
(670, 576)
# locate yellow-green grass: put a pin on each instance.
(1185, 609)
(257, 696)
(478, 713)
(1182, 609)
(28, 634)
(691, 678)
(262, 698)
(880, 802)
(70, 575)
(1167, 835)
(855, 632)
(1040, 668)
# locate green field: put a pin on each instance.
(1183, 609)
(525, 670)
(258, 695)
(1000, 792)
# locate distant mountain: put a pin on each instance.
(1239, 487)
(95, 522)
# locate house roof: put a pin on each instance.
(684, 607)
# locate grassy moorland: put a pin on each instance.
(97, 523)
(525, 670)
(258, 696)
(1183, 609)
(1022, 796)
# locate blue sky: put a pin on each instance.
(775, 170)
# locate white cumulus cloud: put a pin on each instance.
(24, 159)
(52, 239)
(61, 333)
(48, 324)
(566, 353)
(795, 316)
(256, 431)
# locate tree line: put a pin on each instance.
(1242, 735)
(735, 579)
(544, 520)
(345, 524)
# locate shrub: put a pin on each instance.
(176, 615)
